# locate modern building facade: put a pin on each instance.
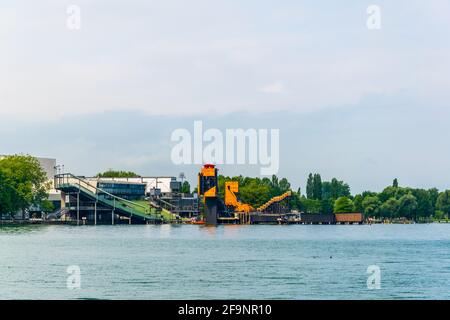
(164, 184)
(123, 189)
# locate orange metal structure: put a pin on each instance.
(274, 200)
(231, 188)
(207, 181)
(207, 187)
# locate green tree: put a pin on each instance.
(326, 190)
(117, 174)
(366, 194)
(389, 208)
(357, 203)
(326, 206)
(343, 204)
(185, 187)
(310, 187)
(392, 192)
(274, 186)
(284, 185)
(434, 194)
(387, 193)
(295, 200)
(254, 193)
(339, 189)
(47, 206)
(439, 215)
(370, 205)
(6, 192)
(317, 187)
(335, 186)
(425, 206)
(310, 205)
(407, 205)
(395, 183)
(443, 202)
(23, 183)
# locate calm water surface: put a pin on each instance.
(227, 262)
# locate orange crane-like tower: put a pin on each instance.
(208, 188)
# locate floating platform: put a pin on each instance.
(292, 218)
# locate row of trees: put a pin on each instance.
(110, 173)
(321, 196)
(393, 202)
(334, 197)
(410, 203)
(23, 183)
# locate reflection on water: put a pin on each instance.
(232, 230)
(20, 228)
(210, 230)
(233, 261)
(165, 230)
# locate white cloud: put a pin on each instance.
(276, 87)
(170, 58)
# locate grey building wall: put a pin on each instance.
(47, 164)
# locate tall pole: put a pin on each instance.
(78, 208)
(95, 212)
(112, 212)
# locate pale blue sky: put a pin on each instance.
(362, 105)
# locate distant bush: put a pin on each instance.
(117, 174)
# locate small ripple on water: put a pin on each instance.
(137, 262)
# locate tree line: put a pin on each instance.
(391, 203)
(23, 184)
(110, 173)
(334, 196)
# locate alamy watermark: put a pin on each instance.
(234, 146)
(74, 279)
(73, 21)
(374, 17)
(374, 278)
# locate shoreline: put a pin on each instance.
(9, 223)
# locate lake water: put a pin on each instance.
(227, 262)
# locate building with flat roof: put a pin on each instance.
(123, 189)
(165, 184)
